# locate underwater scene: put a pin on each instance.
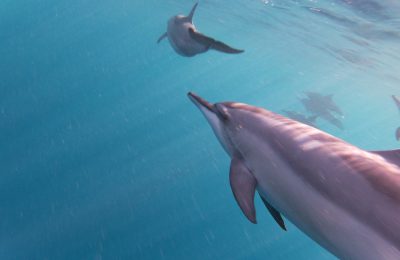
(152, 129)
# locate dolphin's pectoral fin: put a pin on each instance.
(243, 185)
(392, 156)
(211, 43)
(162, 37)
(274, 213)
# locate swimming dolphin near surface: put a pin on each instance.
(322, 112)
(324, 107)
(324, 101)
(345, 198)
(187, 41)
(309, 120)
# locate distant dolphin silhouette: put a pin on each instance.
(322, 112)
(345, 198)
(324, 107)
(187, 41)
(325, 101)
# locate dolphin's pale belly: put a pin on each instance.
(181, 41)
(325, 221)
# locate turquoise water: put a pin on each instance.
(104, 157)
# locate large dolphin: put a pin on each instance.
(187, 41)
(345, 198)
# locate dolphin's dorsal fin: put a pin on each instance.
(162, 37)
(243, 185)
(211, 43)
(392, 156)
(396, 100)
(190, 16)
(274, 213)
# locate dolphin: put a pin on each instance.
(345, 198)
(187, 41)
(324, 101)
(309, 120)
(398, 134)
(322, 112)
(324, 107)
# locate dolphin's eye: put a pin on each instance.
(221, 111)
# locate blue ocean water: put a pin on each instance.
(102, 156)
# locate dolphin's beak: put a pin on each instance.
(213, 115)
(200, 103)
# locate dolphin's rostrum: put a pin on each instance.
(187, 41)
(345, 198)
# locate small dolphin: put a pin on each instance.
(187, 41)
(324, 101)
(323, 113)
(309, 120)
(345, 198)
(324, 107)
